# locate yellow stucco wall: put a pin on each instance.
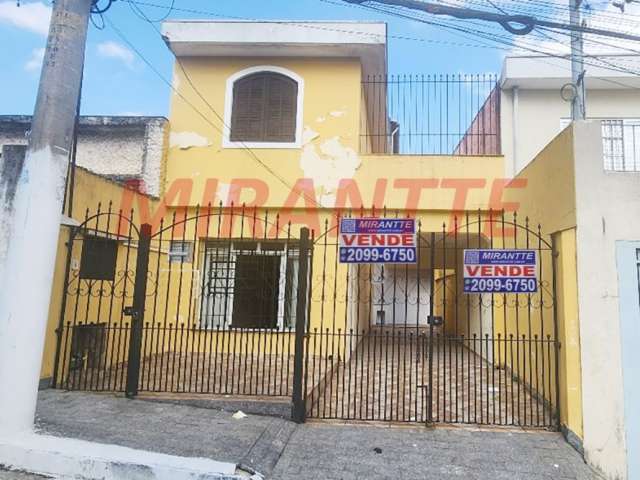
(548, 198)
(328, 167)
(546, 187)
(91, 193)
(331, 114)
(569, 332)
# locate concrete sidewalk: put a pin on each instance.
(282, 450)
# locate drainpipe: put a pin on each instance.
(514, 129)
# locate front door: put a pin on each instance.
(397, 293)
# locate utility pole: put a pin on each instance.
(31, 216)
(577, 62)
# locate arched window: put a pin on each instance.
(264, 108)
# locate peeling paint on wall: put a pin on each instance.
(187, 140)
(337, 113)
(309, 135)
(327, 163)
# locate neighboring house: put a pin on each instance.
(532, 111)
(122, 148)
(277, 130)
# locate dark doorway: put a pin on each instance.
(256, 291)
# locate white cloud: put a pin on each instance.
(110, 49)
(35, 60)
(33, 16)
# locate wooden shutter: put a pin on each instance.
(264, 108)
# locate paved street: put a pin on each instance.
(284, 451)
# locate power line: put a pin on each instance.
(306, 25)
(496, 38)
(398, 37)
(142, 16)
(516, 24)
(492, 36)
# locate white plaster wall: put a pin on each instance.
(154, 156)
(112, 152)
(402, 294)
(113, 148)
(539, 113)
(608, 209)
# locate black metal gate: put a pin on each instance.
(224, 301)
(405, 344)
(207, 303)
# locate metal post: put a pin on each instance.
(31, 217)
(555, 256)
(136, 311)
(577, 62)
(432, 268)
(63, 308)
(299, 410)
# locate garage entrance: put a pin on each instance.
(407, 344)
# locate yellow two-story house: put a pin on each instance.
(234, 281)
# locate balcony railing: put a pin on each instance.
(431, 115)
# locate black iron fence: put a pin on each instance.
(230, 302)
(204, 303)
(406, 343)
(431, 115)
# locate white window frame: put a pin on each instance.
(183, 256)
(631, 164)
(234, 251)
(228, 109)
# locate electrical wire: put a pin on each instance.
(140, 14)
(516, 24)
(543, 30)
(505, 44)
(501, 39)
(492, 37)
(311, 26)
(95, 6)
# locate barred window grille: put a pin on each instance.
(621, 144)
(264, 108)
(266, 272)
(181, 252)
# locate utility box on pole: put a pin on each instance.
(32, 217)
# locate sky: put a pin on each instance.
(118, 82)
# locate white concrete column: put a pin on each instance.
(31, 217)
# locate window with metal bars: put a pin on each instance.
(620, 143)
(264, 108)
(180, 252)
(249, 284)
